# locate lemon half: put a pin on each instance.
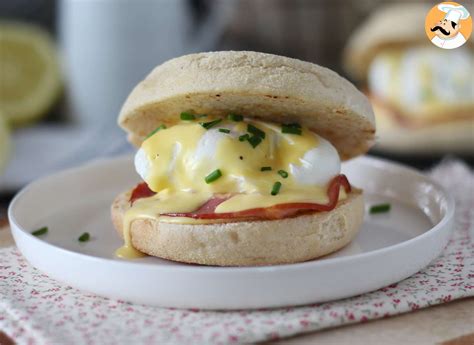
(29, 72)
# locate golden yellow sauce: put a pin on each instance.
(127, 251)
(241, 202)
(151, 208)
(175, 167)
(178, 167)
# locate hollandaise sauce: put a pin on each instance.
(255, 164)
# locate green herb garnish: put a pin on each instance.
(156, 130)
(213, 176)
(185, 116)
(254, 141)
(84, 237)
(381, 208)
(224, 130)
(283, 173)
(265, 168)
(210, 124)
(276, 188)
(294, 124)
(244, 137)
(291, 128)
(40, 231)
(235, 117)
(255, 131)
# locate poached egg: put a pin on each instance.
(179, 158)
(421, 76)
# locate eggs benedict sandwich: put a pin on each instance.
(240, 156)
(422, 95)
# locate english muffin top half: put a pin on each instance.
(263, 86)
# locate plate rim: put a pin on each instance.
(379, 162)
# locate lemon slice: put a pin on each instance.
(4, 143)
(29, 78)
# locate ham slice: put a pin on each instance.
(141, 191)
(207, 210)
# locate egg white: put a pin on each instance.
(317, 166)
(421, 75)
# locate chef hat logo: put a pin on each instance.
(448, 25)
(453, 13)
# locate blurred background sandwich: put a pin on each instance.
(423, 96)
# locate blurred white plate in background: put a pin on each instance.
(389, 247)
(42, 150)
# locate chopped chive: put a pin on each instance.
(40, 231)
(381, 208)
(187, 116)
(265, 168)
(276, 188)
(292, 128)
(210, 124)
(224, 130)
(255, 131)
(213, 176)
(202, 115)
(244, 137)
(156, 130)
(235, 117)
(84, 237)
(254, 141)
(283, 173)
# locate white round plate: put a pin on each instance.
(389, 247)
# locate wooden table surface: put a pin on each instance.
(448, 324)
